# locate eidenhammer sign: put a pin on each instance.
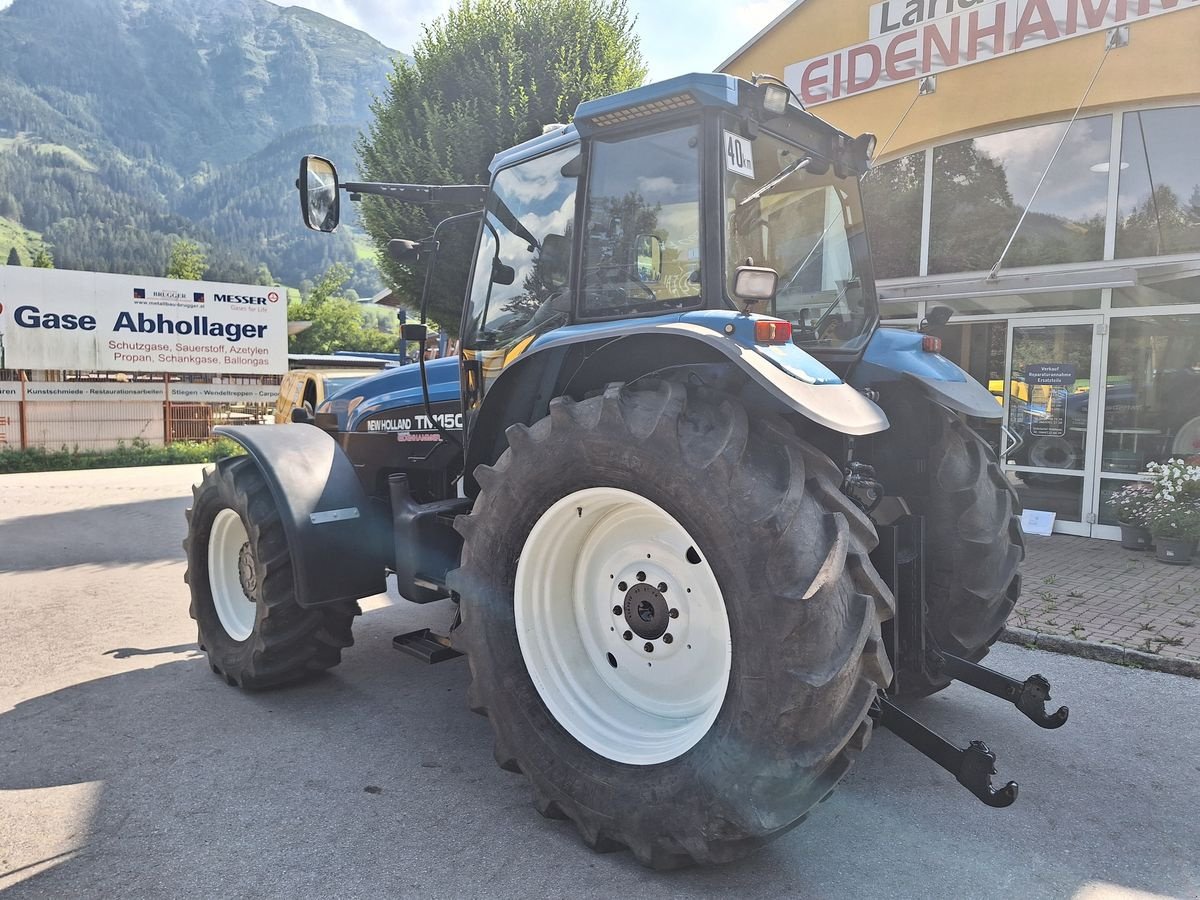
(909, 39)
(57, 319)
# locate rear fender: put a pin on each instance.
(578, 359)
(894, 355)
(336, 536)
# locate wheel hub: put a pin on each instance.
(646, 612)
(246, 573)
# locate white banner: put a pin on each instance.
(82, 390)
(91, 321)
(914, 38)
(224, 393)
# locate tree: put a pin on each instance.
(338, 322)
(487, 75)
(43, 260)
(187, 261)
(14, 258)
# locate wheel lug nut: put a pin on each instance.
(641, 576)
(649, 647)
(674, 614)
(662, 587)
(628, 635)
(622, 586)
(667, 638)
(616, 610)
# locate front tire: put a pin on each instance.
(243, 589)
(591, 518)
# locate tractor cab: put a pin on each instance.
(703, 192)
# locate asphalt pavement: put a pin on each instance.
(128, 769)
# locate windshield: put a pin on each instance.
(787, 210)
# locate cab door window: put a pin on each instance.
(520, 285)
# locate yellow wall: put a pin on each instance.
(1161, 63)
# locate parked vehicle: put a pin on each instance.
(699, 516)
(306, 389)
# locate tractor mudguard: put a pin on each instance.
(633, 348)
(787, 373)
(332, 529)
(894, 355)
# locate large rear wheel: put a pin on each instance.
(671, 621)
(974, 545)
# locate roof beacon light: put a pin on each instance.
(775, 98)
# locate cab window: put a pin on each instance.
(521, 276)
(642, 233)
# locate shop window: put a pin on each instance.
(980, 187)
(1152, 392)
(1158, 205)
(892, 199)
(1059, 494)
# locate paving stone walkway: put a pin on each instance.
(1093, 590)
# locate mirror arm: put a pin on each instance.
(472, 194)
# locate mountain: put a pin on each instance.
(125, 123)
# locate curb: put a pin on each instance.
(1109, 653)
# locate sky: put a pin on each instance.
(673, 43)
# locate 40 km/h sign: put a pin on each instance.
(91, 321)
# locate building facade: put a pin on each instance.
(1038, 173)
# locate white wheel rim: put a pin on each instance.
(651, 706)
(231, 574)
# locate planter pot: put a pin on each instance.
(1175, 551)
(1136, 537)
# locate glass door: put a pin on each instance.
(1051, 424)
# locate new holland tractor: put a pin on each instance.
(700, 519)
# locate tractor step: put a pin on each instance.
(426, 646)
(973, 766)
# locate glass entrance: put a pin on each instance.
(1053, 369)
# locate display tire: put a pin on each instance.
(805, 609)
(974, 546)
(286, 642)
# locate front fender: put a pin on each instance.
(895, 355)
(333, 532)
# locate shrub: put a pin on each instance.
(137, 453)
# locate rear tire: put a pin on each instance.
(236, 545)
(974, 546)
(802, 608)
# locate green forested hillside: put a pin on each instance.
(126, 123)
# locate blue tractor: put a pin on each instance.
(700, 519)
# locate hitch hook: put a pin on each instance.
(973, 766)
(1030, 696)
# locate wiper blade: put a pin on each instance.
(782, 174)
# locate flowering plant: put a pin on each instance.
(1174, 519)
(1174, 511)
(1131, 502)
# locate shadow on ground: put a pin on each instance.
(376, 781)
(116, 534)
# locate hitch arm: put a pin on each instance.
(973, 765)
(1029, 696)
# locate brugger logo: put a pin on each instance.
(198, 297)
(139, 293)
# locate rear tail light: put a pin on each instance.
(931, 343)
(772, 331)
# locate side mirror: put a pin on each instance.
(554, 261)
(501, 273)
(649, 249)
(320, 203)
(755, 284)
(414, 332)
